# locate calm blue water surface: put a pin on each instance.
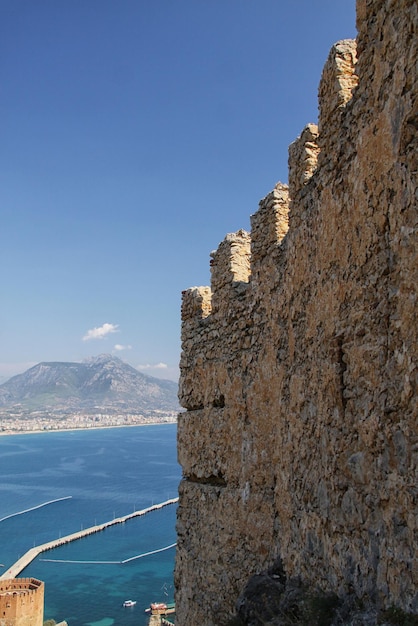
(109, 473)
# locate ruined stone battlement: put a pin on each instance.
(298, 366)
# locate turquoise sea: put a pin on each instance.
(108, 473)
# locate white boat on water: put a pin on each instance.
(129, 603)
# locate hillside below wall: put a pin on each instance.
(298, 370)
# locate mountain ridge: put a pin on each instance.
(104, 381)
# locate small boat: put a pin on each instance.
(129, 603)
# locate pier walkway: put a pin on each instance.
(14, 570)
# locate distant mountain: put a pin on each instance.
(102, 382)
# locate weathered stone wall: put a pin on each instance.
(298, 371)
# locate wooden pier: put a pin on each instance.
(26, 559)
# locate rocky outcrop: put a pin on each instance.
(298, 369)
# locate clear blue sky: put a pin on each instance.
(134, 135)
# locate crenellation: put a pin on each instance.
(299, 441)
(230, 265)
(336, 89)
(269, 226)
(196, 303)
(303, 160)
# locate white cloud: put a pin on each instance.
(101, 331)
(158, 366)
(162, 371)
(118, 347)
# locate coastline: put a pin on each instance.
(41, 431)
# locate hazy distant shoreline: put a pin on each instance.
(76, 428)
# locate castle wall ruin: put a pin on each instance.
(298, 367)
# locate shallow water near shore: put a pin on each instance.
(108, 473)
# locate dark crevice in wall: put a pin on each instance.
(197, 407)
(219, 402)
(342, 367)
(212, 481)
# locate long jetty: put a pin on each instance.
(30, 555)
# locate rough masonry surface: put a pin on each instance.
(298, 370)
